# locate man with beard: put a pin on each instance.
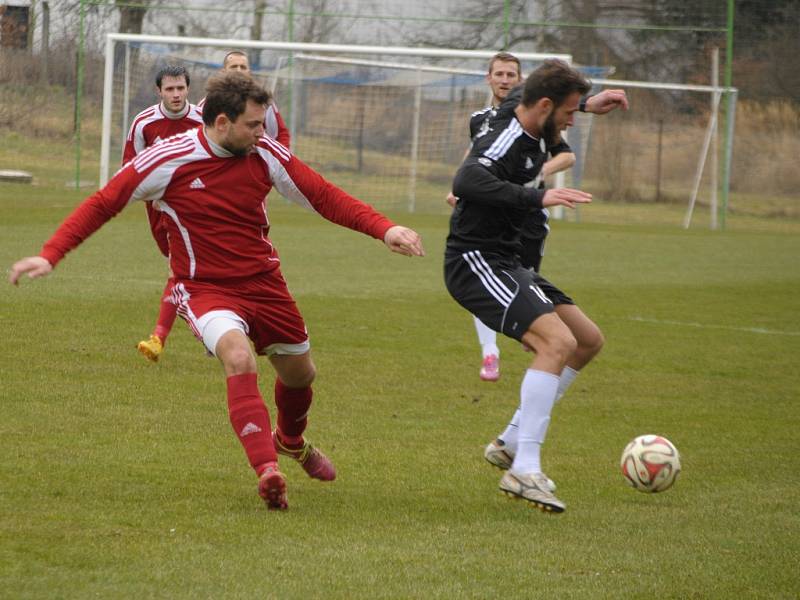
(500, 452)
(504, 76)
(211, 183)
(483, 272)
(234, 61)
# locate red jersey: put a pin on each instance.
(155, 124)
(214, 201)
(274, 126)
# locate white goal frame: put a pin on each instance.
(716, 94)
(113, 38)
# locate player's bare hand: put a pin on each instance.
(606, 101)
(34, 266)
(451, 200)
(404, 241)
(565, 197)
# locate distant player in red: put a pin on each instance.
(173, 115)
(211, 183)
(274, 126)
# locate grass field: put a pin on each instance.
(121, 479)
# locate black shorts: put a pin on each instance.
(499, 291)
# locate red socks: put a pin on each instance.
(166, 313)
(293, 405)
(250, 420)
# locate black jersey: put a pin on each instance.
(493, 201)
(536, 229)
(479, 121)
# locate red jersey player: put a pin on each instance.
(275, 128)
(211, 183)
(173, 115)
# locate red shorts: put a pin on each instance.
(262, 302)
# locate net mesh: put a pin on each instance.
(394, 134)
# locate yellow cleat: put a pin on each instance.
(151, 348)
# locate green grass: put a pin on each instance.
(121, 479)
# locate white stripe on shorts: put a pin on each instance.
(490, 281)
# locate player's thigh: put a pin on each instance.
(586, 331)
(550, 337)
(276, 325)
(234, 351)
(209, 310)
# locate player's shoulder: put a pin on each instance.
(273, 147)
(177, 146)
(481, 112)
(502, 139)
(195, 112)
(148, 114)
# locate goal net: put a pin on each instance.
(389, 125)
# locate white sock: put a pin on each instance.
(537, 396)
(487, 338)
(568, 375)
(511, 433)
(509, 436)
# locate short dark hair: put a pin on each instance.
(556, 80)
(172, 71)
(228, 93)
(505, 57)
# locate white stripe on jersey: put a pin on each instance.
(277, 146)
(173, 146)
(166, 208)
(538, 291)
(144, 115)
(504, 140)
(481, 112)
(490, 281)
(280, 177)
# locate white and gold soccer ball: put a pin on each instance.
(650, 463)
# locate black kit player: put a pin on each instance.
(483, 271)
(503, 77)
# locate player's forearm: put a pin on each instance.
(341, 208)
(558, 163)
(476, 183)
(90, 215)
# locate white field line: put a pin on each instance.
(705, 326)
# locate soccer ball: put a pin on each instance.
(650, 463)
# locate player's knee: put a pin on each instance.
(297, 373)
(560, 347)
(593, 343)
(238, 360)
(302, 378)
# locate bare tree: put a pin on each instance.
(131, 15)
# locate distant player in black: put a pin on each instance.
(483, 271)
(504, 74)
